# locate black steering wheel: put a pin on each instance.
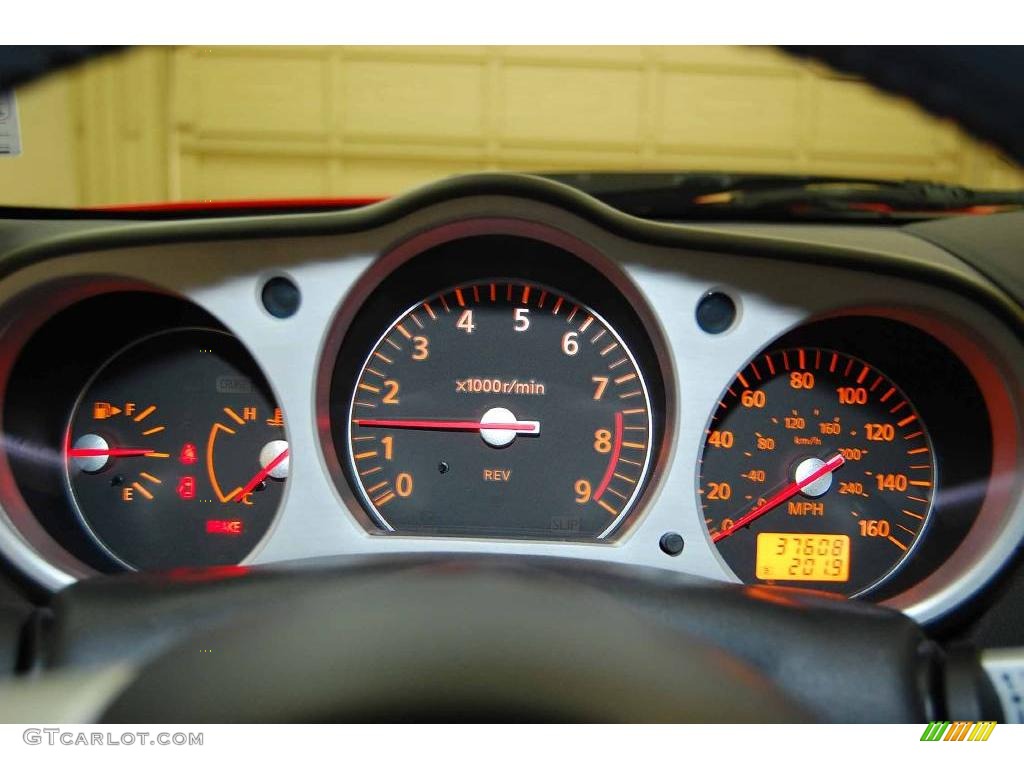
(489, 638)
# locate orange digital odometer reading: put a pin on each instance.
(803, 557)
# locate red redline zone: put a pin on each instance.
(613, 459)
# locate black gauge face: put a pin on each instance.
(816, 471)
(498, 408)
(176, 452)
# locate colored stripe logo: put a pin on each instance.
(944, 730)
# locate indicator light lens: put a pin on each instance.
(716, 312)
(187, 487)
(281, 297)
(101, 411)
(189, 454)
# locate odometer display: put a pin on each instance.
(499, 408)
(811, 449)
(790, 557)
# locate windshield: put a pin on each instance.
(160, 125)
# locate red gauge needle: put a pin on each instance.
(783, 495)
(260, 476)
(84, 453)
(449, 426)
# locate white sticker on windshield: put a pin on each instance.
(10, 139)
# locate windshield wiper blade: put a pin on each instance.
(775, 196)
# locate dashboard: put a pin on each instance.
(499, 364)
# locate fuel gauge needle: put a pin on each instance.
(781, 497)
(85, 453)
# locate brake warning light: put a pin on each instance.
(224, 527)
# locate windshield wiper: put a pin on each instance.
(737, 196)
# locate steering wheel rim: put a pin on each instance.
(451, 644)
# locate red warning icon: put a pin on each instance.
(187, 487)
(189, 454)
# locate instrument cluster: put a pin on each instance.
(498, 374)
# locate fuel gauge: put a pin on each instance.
(152, 481)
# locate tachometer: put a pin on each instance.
(499, 408)
(816, 470)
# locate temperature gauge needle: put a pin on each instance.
(260, 476)
(781, 497)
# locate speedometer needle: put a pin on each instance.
(525, 427)
(782, 496)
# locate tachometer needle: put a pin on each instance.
(523, 427)
(260, 476)
(781, 497)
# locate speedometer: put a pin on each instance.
(817, 470)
